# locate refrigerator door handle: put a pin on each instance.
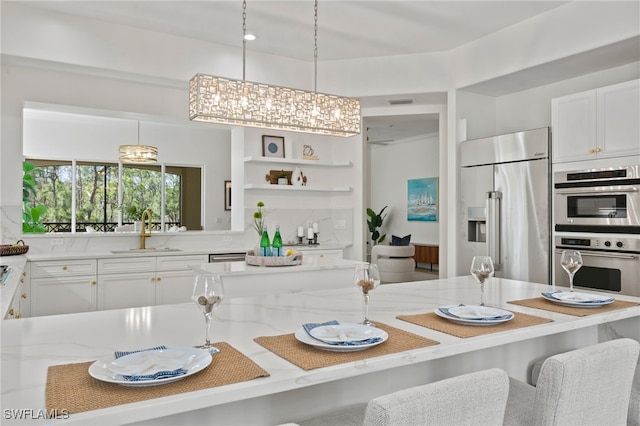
(493, 227)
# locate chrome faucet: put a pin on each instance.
(146, 229)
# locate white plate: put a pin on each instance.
(477, 312)
(478, 322)
(201, 359)
(153, 361)
(345, 332)
(577, 300)
(304, 337)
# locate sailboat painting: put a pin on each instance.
(422, 200)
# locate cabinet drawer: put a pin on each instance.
(179, 263)
(126, 265)
(63, 268)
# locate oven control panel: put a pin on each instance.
(614, 243)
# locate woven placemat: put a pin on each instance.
(435, 322)
(70, 387)
(307, 357)
(544, 304)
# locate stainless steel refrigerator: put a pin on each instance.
(505, 204)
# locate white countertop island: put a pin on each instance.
(31, 345)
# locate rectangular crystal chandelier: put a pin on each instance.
(244, 103)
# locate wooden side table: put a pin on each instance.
(426, 253)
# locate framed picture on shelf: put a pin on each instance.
(227, 195)
(273, 146)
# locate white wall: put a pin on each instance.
(391, 166)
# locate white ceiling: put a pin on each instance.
(346, 30)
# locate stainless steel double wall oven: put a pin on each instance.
(598, 213)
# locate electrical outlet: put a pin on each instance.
(57, 242)
(339, 224)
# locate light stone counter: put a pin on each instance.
(30, 345)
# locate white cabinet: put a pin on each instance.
(20, 306)
(61, 287)
(145, 281)
(174, 278)
(599, 123)
(319, 254)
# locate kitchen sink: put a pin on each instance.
(146, 250)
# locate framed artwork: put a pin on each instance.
(422, 200)
(273, 146)
(227, 195)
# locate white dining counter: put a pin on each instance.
(31, 345)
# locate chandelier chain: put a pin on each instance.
(244, 40)
(315, 46)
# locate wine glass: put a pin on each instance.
(571, 261)
(482, 269)
(367, 278)
(208, 293)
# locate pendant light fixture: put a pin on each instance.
(244, 103)
(138, 153)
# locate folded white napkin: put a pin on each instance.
(152, 363)
(346, 341)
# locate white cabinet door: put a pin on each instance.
(319, 255)
(126, 290)
(619, 119)
(573, 127)
(63, 295)
(173, 287)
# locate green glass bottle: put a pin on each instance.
(277, 243)
(265, 245)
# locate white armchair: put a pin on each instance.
(395, 263)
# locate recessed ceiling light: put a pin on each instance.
(250, 37)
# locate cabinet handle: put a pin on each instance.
(598, 150)
(591, 151)
(159, 278)
(24, 273)
(19, 316)
(24, 295)
(11, 312)
(93, 283)
(153, 278)
(64, 268)
(22, 280)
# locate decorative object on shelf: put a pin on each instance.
(227, 195)
(422, 200)
(308, 153)
(138, 153)
(244, 103)
(273, 146)
(274, 176)
(258, 218)
(374, 222)
(297, 178)
(19, 247)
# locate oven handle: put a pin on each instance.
(610, 255)
(578, 191)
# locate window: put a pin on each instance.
(90, 202)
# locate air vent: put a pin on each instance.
(402, 101)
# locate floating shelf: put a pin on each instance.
(299, 188)
(321, 163)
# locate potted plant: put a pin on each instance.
(31, 212)
(283, 179)
(375, 222)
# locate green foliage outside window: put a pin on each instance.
(47, 193)
(32, 211)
